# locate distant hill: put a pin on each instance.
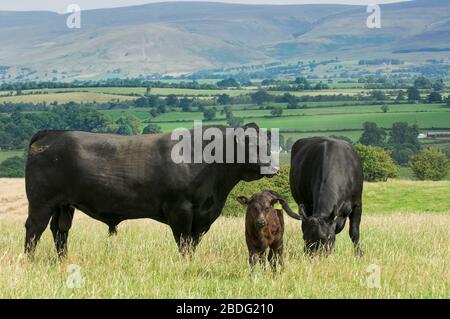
(178, 38)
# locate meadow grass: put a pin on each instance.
(143, 262)
(405, 232)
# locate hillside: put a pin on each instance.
(177, 38)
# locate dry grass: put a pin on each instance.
(412, 250)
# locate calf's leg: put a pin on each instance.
(276, 255)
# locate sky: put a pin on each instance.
(61, 5)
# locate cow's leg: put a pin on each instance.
(276, 255)
(37, 221)
(112, 230)
(60, 225)
(180, 221)
(355, 220)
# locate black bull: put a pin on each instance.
(115, 178)
(326, 180)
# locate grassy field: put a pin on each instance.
(407, 240)
(64, 98)
(4, 155)
(155, 91)
(336, 121)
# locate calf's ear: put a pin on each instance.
(276, 203)
(242, 200)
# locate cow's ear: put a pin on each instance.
(242, 200)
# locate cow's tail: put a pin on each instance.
(292, 214)
(286, 207)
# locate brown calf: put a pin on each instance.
(264, 227)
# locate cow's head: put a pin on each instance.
(259, 207)
(258, 148)
(319, 233)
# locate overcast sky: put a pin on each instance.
(61, 5)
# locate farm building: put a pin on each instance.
(438, 135)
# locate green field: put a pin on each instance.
(407, 240)
(8, 154)
(336, 122)
(332, 110)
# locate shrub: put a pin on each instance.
(278, 183)
(377, 163)
(13, 167)
(430, 164)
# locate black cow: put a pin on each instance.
(113, 178)
(326, 180)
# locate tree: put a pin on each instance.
(276, 112)
(438, 85)
(148, 90)
(209, 114)
(152, 128)
(377, 163)
(378, 95)
(124, 129)
(260, 97)
(302, 83)
(401, 133)
(154, 101)
(401, 96)
(227, 111)
(422, 83)
(372, 135)
(224, 99)
(161, 108)
(185, 104)
(430, 164)
(129, 125)
(172, 100)
(141, 102)
(435, 97)
(413, 94)
(235, 122)
(13, 167)
(153, 113)
(230, 82)
(385, 108)
(293, 105)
